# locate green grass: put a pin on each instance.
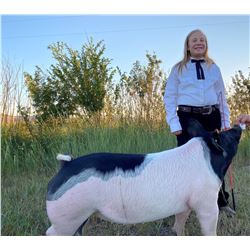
(28, 163)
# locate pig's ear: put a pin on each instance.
(216, 142)
(195, 129)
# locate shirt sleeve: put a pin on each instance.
(224, 109)
(170, 101)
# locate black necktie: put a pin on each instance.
(199, 69)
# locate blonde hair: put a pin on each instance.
(180, 65)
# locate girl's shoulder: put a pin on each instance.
(178, 67)
(214, 67)
(211, 63)
(174, 69)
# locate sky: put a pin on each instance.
(25, 38)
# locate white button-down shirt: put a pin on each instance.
(186, 89)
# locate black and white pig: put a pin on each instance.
(137, 188)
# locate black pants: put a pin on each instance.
(210, 123)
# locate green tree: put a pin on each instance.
(239, 95)
(139, 93)
(78, 81)
(147, 83)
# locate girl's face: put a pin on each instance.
(197, 45)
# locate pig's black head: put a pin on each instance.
(222, 145)
(230, 139)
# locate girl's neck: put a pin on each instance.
(197, 57)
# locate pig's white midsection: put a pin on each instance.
(147, 197)
(162, 188)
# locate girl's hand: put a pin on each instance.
(177, 132)
(245, 119)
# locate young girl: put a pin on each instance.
(195, 89)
